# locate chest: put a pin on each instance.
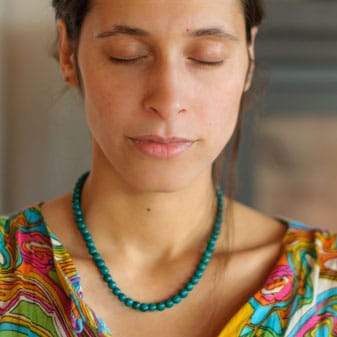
(205, 312)
(201, 315)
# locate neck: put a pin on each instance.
(142, 224)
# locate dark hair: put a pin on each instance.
(73, 12)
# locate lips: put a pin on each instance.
(159, 147)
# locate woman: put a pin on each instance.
(162, 83)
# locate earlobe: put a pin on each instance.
(251, 55)
(66, 55)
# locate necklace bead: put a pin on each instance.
(105, 272)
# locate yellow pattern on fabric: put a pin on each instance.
(237, 322)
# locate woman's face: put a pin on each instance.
(162, 82)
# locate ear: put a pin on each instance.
(251, 55)
(67, 57)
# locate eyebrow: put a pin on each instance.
(217, 32)
(122, 29)
(133, 31)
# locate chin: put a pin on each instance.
(159, 185)
(158, 182)
(155, 176)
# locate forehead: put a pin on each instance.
(168, 16)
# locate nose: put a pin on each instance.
(166, 95)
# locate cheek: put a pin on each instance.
(102, 95)
(221, 110)
(223, 91)
(107, 102)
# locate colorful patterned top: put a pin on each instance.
(40, 293)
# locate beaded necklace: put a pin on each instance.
(104, 270)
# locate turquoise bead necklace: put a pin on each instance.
(104, 270)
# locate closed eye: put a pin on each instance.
(126, 60)
(208, 63)
(140, 58)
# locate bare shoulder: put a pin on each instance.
(57, 209)
(255, 229)
(58, 217)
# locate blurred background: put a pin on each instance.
(288, 161)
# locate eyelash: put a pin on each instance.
(209, 63)
(126, 61)
(135, 60)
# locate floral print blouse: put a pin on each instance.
(40, 291)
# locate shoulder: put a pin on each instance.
(3, 220)
(254, 229)
(23, 236)
(314, 248)
(315, 239)
(302, 285)
(320, 237)
(26, 220)
(306, 249)
(258, 228)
